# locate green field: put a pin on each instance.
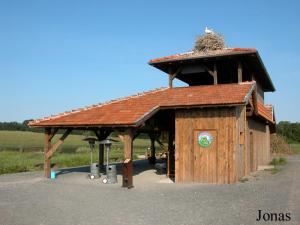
(295, 148)
(20, 140)
(23, 151)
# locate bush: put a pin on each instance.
(282, 161)
(209, 42)
(279, 145)
(278, 161)
(274, 162)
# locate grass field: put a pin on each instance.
(34, 141)
(15, 140)
(295, 147)
(74, 151)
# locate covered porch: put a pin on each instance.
(160, 124)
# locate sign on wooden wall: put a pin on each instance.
(205, 139)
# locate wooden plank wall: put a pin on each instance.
(241, 153)
(261, 142)
(223, 120)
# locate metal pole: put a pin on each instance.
(107, 151)
(91, 154)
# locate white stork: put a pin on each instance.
(208, 31)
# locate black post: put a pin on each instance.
(101, 158)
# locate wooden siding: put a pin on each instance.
(260, 143)
(260, 92)
(241, 153)
(219, 168)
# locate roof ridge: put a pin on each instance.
(97, 105)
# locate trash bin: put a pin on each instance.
(111, 174)
(95, 169)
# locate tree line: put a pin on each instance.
(289, 131)
(16, 126)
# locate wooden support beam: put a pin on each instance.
(171, 155)
(240, 72)
(47, 147)
(153, 150)
(173, 75)
(52, 133)
(128, 150)
(254, 97)
(170, 81)
(128, 143)
(135, 135)
(58, 143)
(213, 73)
(152, 158)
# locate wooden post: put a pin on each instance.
(128, 143)
(152, 157)
(49, 150)
(128, 149)
(240, 72)
(171, 156)
(58, 143)
(173, 75)
(215, 74)
(170, 81)
(47, 147)
(153, 150)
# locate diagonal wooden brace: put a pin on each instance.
(58, 143)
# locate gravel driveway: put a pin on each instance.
(28, 198)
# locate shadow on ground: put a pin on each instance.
(139, 166)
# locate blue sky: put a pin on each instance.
(58, 55)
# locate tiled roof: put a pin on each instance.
(194, 54)
(132, 110)
(265, 111)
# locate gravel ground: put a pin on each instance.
(28, 198)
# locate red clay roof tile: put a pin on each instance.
(129, 111)
(192, 54)
(265, 111)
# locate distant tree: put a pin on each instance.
(289, 131)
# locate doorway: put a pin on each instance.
(205, 156)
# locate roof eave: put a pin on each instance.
(272, 89)
(202, 57)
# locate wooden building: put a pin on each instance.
(218, 126)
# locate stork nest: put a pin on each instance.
(209, 42)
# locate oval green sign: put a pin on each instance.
(205, 139)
